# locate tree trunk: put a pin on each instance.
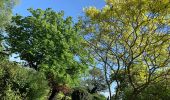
(106, 79)
(53, 94)
(94, 90)
(134, 95)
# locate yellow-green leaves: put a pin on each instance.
(92, 12)
(6, 11)
(131, 36)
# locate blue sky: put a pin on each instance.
(72, 8)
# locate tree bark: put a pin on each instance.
(107, 81)
(53, 94)
(94, 90)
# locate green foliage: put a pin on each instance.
(50, 43)
(80, 94)
(17, 83)
(98, 97)
(95, 81)
(130, 38)
(10, 94)
(5, 17)
(6, 12)
(160, 90)
(156, 91)
(61, 96)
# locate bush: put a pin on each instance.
(18, 83)
(98, 97)
(80, 94)
(61, 96)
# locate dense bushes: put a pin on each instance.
(17, 83)
(80, 94)
(98, 97)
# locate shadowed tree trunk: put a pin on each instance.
(54, 92)
(58, 88)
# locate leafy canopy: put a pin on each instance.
(49, 43)
(6, 11)
(5, 17)
(130, 38)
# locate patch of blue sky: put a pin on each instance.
(72, 8)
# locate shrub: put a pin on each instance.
(18, 83)
(80, 94)
(98, 97)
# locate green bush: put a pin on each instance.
(98, 97)
(61, 96)
(18, 83)
(80, 94)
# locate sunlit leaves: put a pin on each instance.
(48, 42)
(131, 36)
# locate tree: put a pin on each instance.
(49, 43)
(94, 82)
(6, 11)
(5, 17)
(130, 39)
(156, 91)
(80, 94)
